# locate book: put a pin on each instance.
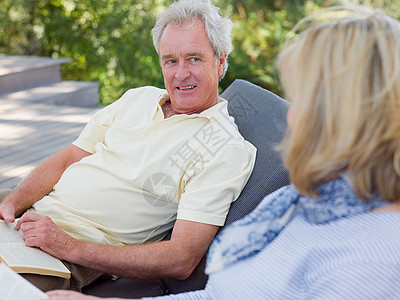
(23, 259)
(13, 286)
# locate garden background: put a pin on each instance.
(110, 40)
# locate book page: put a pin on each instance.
(8, 234)
(13, 286)
(31, 257)
(24, 259)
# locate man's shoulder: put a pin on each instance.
(221, 134)
(220, 118)
(144, 91)
(142, 97)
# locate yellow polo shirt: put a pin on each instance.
(145, 171)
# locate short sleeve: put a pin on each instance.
(209, 193)
(358, 281)
(95, 130)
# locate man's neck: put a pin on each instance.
(167, 110)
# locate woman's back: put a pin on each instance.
(351, 258)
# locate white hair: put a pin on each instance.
(218, 28)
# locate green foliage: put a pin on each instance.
(110, 40)
(260, 30)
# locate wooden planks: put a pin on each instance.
(31, 132)
(24, 72)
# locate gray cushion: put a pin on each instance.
(261, 118)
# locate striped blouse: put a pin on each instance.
(351, 258)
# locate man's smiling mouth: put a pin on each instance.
(184, 88)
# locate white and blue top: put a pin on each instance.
(296, 247)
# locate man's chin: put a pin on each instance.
(187, 104)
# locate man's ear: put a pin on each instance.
(221, 64)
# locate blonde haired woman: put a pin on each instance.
(334, 233)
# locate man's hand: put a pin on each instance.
(40, 231)
(7, 212)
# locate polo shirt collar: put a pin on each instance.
(221, 106)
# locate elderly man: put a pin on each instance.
(153, 160)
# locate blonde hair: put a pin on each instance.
(343, 77)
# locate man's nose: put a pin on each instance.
(183, 71)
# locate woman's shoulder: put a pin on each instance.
(367, 237)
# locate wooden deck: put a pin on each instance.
(30, 132)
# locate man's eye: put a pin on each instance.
(194, 59)
(170, 61)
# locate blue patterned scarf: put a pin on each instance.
(250, 235)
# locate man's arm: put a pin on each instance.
(39, 183)
(175, 258)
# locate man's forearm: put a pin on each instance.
(35, 186)
(158, 260)
(42, 179)
(176, 258)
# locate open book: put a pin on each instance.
(24, 259)
(13, 286)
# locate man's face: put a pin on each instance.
(190, 71)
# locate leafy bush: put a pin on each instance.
(110, 40)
